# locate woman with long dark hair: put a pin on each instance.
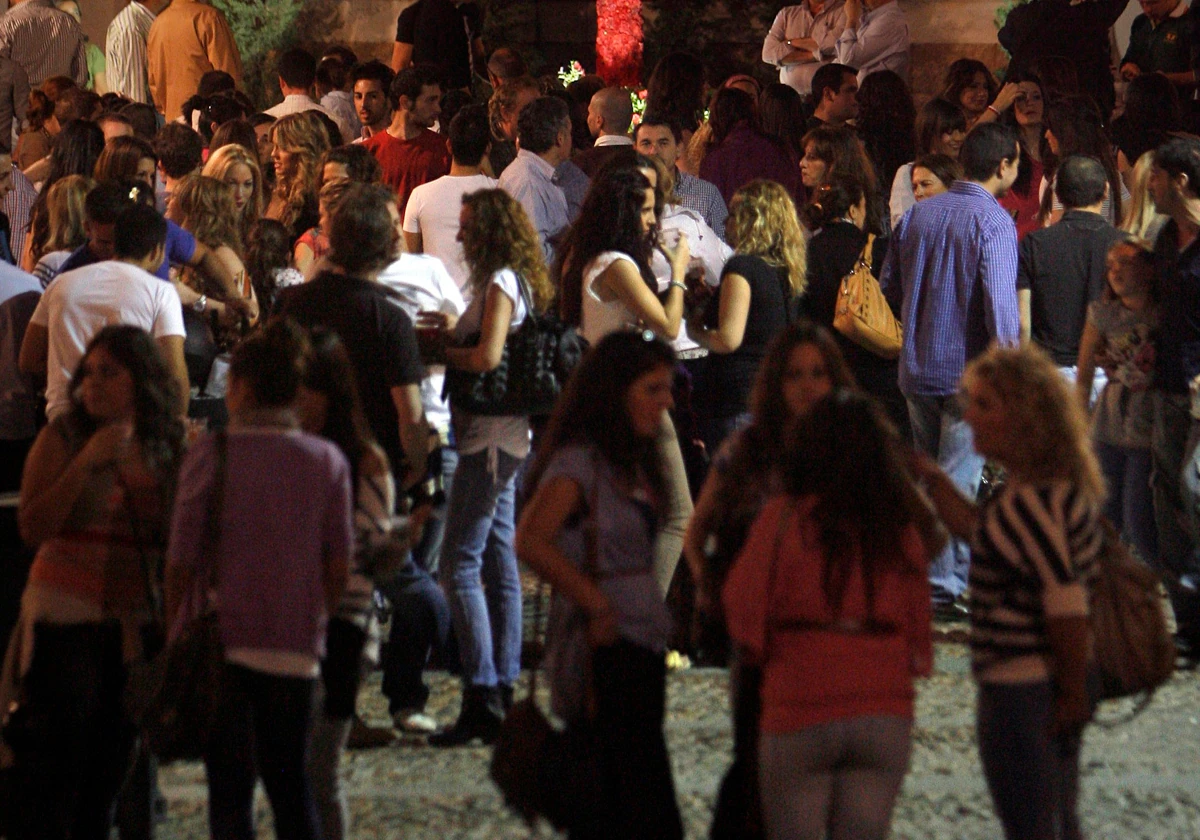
(1073, 126)
(738, 151)
(970, 85)
(830, 595)
(96, 501)
(607, 285)
(886, 124)
(76, 150)
(838, 153)
(940, 129)
(1021, 103)
(598, 472)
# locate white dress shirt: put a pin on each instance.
(881, 42)
(798, 22)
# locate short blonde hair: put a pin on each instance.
(1044, 414)
(762, 223)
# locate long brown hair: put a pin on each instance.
(497, 235)
(304, 136)
(207, 212)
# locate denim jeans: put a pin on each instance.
(326, 746)
(1033, 777)
(1130, 507)
(428, 551)
(941, 433)
(420, 622)
(76, 743)
(838, 779)
(479, 568)
(262, 730)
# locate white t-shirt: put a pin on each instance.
(704, 245)
(433, 211)
(424, 285)
(476, 433)
(80, 303)
(599, 317)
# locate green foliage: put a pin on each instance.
(261, 28)
(728, 32)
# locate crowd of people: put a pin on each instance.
(233, 342)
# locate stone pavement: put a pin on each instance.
(1140, 779)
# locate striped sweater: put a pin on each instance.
(1033, 554)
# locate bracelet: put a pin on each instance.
(201, 303)
(992, 108)
(675, 284)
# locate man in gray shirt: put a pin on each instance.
(543, 141)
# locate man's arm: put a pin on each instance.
(776, 49)
(998, 263)
(79, 70)
(401, 56)
(414, 431)
(171, 347)
(861, 45)
(1026, 272)
(35, 350)
(222, 49)
(20, 94)
(413, 243)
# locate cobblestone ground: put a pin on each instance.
(1140, 779)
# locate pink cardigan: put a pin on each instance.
(813, 675)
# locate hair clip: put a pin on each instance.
(647, 335)
(134, 193)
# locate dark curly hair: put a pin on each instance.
(156, 424)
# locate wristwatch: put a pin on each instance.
(201, 303)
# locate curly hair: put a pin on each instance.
(66, 215)
(206, 210)
(610, 220)
(218, 166)
(268, 251)
(762, 223)
(155, 394)
(304, 136)
(1044, 414)
(496, 234)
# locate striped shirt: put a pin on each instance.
(953, 259)
(18, 205)
(44, 41)
(703, 197)
(1032, 556)
(125, 50)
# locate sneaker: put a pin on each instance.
(414, 722)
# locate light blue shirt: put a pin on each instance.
(529, 179)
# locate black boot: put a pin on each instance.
(506, 697)
(481, 716)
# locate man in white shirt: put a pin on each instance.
(544, 140)
(431, 219)
(79, 303)
(802, 38)
(875, 38)
(297, 71)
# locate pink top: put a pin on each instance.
(813, 675)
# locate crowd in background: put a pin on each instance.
(227, 337)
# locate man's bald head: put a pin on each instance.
(610, 112)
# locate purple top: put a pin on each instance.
(745, 155)
(287, 510)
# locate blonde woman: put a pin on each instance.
(750, 307)
(204, 208)
(299, 141)
(237, 167)
(1142, 218)
(64, 209)
(503, 254)
(1034, 546)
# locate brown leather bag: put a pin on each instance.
(862, 313)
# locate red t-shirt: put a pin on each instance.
(409, 163)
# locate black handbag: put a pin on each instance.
(173, 694)
(537, 360)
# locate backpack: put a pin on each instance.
(1134, 651)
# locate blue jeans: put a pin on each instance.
(428, 551)
(479, 568)
(420, 622)
(262, 730)
(1130, 506)
(941, 433)
(1033, 777)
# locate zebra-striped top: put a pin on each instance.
(1032, 556)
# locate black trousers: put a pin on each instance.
(630, 690)
(73, 743)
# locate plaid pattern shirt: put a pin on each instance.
(703, 197)
(44, 41)
(954, 260)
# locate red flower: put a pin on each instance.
(619, 41)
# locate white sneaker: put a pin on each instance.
(415, 722)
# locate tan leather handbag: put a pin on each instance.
(862, 313)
